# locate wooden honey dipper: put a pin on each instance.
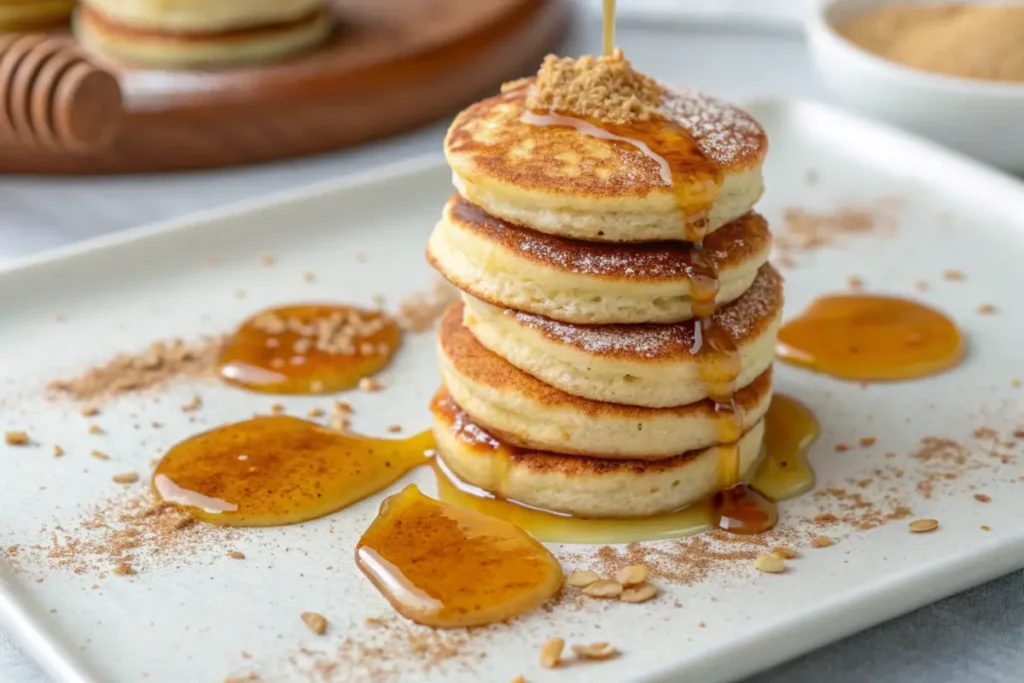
(53, 96)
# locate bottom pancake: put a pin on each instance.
(180, 50)
(576, 485)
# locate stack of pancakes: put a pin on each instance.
(31, 15)
(201, 33)
(573, 379)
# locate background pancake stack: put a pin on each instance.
(578, 373)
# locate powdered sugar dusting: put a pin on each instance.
(723, 132)
(649, 261)
(743, 318)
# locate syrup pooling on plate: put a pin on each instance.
(790, 430)
(310, 349)
(871, 338)
(448, 566)
(782, 473)
(280, 470)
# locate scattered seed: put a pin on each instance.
(315, 412)
(16, 438)
(236, 555)
(126, 478)
(582, 579)
(595, 651)
(867, 441)
(769, 564)
(954, 275)
(855, 283)
(194, 404)
(342, 408)
(986, 527)
(821, 542)
(785, 552)
(551, 653)
(316, 622)
(632, 575)
(986, 309)
(267, 260)
(982, 498)
(841, 448)
(309, 276)
(89, 411)
(240, 293)
(95, 429)
(57, 451)
(920, 526)
(99, 455)
(340, 423)
(641, 593)
(518, 679)
(603, 588)
(370, 384)
(395, 429)
(277, 409)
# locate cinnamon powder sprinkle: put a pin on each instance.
(160, 364)
(603, 88)
(419, 312)
(805, 230)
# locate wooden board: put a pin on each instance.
(391, 65)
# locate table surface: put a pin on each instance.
(975, 637)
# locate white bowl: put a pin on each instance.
(980, 118)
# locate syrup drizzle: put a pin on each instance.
(695, 180)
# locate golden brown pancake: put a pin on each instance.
(559, 180)
(528, 413)
(573, 281)
(642, 365)
(579, 485)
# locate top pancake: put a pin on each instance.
(562, 181)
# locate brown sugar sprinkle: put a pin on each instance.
(603, 88)
(986, 309)
(126, 478)
(16, 438)
(821, 541)
(125, 534)
(954, 275)
(236, 555)
(920, 526)
(804, 230)
(317, 623)
(160, 364)
(982, 498)
(418, 313)
(551, 653)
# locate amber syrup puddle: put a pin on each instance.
(782, 473)
(280, 470)
(871, 338)
(309, 349)
(450, 566)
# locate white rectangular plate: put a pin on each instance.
(192, 621)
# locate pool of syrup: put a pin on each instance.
(871, 338)
(309, 349)
(450, 566)
(280, 470)
(782, 473)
